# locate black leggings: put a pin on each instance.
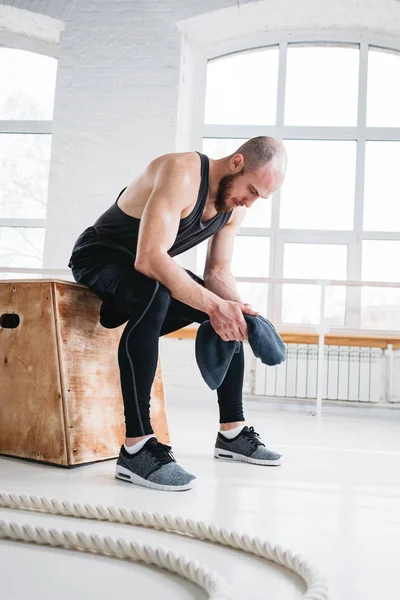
(138, 355)
(152, 313)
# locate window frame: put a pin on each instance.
(359, 133)
(33, 127)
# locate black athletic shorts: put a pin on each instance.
(111, 275)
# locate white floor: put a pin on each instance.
(336, 500)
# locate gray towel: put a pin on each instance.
(214, 355)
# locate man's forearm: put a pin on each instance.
(182, 287)
(223, 284)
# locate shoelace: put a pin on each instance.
(162, 453)
(253, 437)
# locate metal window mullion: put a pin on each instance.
(359, 185)
(317, 236)
(276, 290)
(27, 127)
(381, 235)
(280, 116)
(303, 132)
(361, 137)
(319, 132)
(274, 303)
(281, 94)
(298, 132)
(385, 134)
(353, 294)
(363, 87)
(254, 231)
(275, 260)
(354, 259)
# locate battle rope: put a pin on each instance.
(202, 575)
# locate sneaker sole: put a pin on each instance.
(125, 475)
(233, 456)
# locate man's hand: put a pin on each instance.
(247, 309)
(228, 321)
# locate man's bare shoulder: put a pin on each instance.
(183, 164)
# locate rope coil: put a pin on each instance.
(202, 575)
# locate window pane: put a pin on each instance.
(321, 86)
(315, 261)
(21, 247)
(383, 99)
(24, 175)
(301, 303)
(201, 257)
(242, 88)
(381, 260)
(317, 194)
(382, 186)
(28, 83)
(255, 294)
(260, 213)
(335, 306)
(380, 308)
(250, 256)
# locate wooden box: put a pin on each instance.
(60, 394)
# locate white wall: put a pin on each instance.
(118, 86)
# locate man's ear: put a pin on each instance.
(237, 162)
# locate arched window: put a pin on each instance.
(336, 109)
(26, 113)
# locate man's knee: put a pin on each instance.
(148, 315)
(162, 298)
(155, 312)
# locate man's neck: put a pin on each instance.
(217, 170)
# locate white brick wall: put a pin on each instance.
(115, 110)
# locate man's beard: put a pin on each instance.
(223, 193)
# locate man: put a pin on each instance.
(126, 258)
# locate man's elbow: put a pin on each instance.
(149, 264)
(142, 265)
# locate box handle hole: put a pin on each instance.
(9, 321)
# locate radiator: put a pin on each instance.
(352, 374)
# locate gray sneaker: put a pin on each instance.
(246, 447)
(153, 466)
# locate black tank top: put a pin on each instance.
(116, 229)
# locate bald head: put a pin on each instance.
(261, 151)
(256, 170)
